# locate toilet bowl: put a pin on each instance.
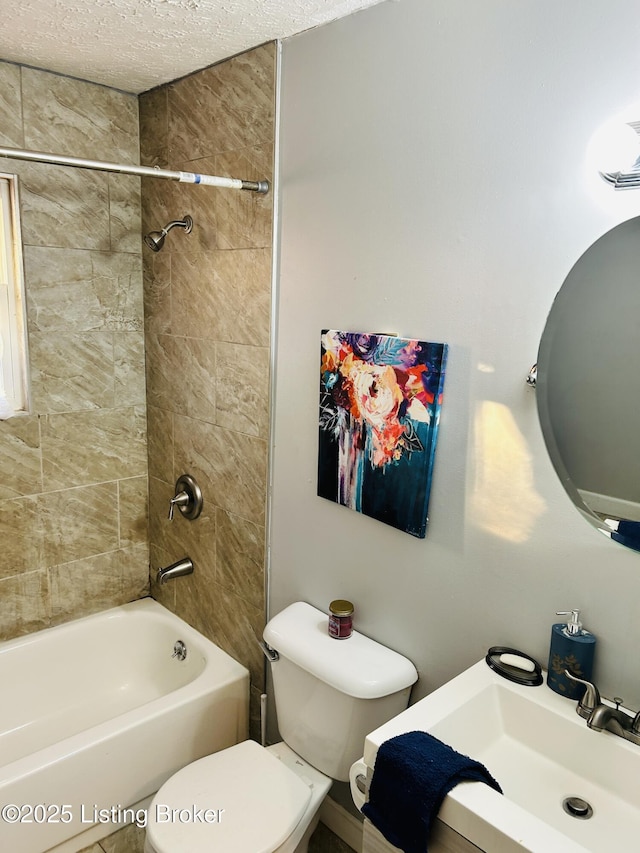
(253, 799)
(244, 799)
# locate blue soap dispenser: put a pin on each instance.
(571, 648)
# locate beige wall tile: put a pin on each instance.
(120, 275)
(244, 220)
(161, 361)
(135, 572)
(78, 290)
(21, 536)
(162, 202)
(243, 296)
(194, 294)
(20, 467)
(78, 523)
(11, 133)
(94, 583)
(124, 213)
(64, 207)
(157, 292)
(60, 291)
(231, 468)
(83, 272)
(84, 586)
(154, 126)
(207, 334)
(230, 622)
(92, 447)
(240, 557)
(60, 383)
(242, 389)
(80, 119)
(160, 441)
(160, 493)
(25, 604)
(181, 375)
(239, 93)
(133, 511)
(222, 295)
(129, 369)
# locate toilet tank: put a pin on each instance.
(331, 693)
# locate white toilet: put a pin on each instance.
(249, 799)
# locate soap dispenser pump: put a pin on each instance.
(571, 648)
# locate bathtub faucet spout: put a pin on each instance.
(175, 570)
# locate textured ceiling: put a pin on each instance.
(135, 45)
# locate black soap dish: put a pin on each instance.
(514, 665)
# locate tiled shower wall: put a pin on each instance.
(207, 310)
(73, 504)
(73, 474)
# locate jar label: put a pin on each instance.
(340, 627)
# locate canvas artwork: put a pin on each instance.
(380, 399)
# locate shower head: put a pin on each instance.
(155, 239)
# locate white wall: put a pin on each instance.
(434, 183)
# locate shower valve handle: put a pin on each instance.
(187, 497)
(181, 499)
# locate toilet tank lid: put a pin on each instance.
(357, 666)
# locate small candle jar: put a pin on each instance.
(340, 619)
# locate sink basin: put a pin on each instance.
(541, 752)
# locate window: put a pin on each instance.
(13, 340)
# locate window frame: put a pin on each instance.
(13, 325)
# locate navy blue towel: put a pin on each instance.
(628, 533)
(413, 774)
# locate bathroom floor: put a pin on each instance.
(325, 841)
(130, 839)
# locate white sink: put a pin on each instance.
(541, 752)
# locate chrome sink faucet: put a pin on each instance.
(606, 715)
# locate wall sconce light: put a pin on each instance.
(616, 150)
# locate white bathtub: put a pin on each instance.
(96, 714)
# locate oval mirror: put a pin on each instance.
(588, 383)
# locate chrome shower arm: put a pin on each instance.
(155, 239)
(186, 223)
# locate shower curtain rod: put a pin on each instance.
(142, 171)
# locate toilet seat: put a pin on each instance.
(240, 800)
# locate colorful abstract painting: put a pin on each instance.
(380, 399)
